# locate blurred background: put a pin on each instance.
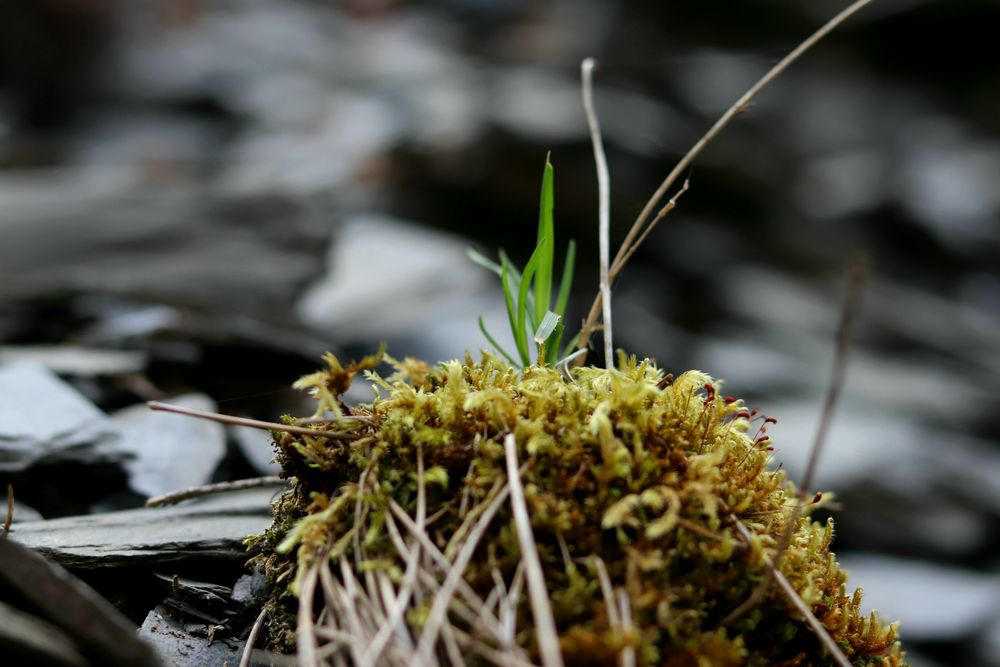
(203, 196)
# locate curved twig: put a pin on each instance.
(630, 243)
(603, 204)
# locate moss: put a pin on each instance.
(625, 471)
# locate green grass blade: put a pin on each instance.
(483, 261)
(567, 279)
(522, 300)
(514, 276)
(512, 270)
(494, 343)
(545, 241)
(518, 331)
(515, 285)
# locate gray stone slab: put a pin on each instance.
(210, 527)
(76, 360)
(256, 446)
(26, 638)
(168, 451)
(83, 616)
(43, 418)
(177, 647)
(932, 602)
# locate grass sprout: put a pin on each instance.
(528, 292)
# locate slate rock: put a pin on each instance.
(76, 360)
(932, 602)
(180, 644)
(256, 447)
(213, 527)
(176, 646)
(43, 419)
(103, 634)
(30, 640)
(167, 451)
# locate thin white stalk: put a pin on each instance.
(629, 244)
(497, 657)
(443, 598)
(538, 595)
(625, 610)
(607, 592)
(395, 620)
(338, 597)
(471, 599)
(451, 646)
(305, 638)
(252, 639)
(252, 423)
(603, 204)
(511, 603)
(836, 653)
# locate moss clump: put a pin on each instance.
(634, 482)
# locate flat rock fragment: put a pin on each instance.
(211, 527)
(168, 451)
(45, 419)
(256, 446)
(176, 646)
(27, 639)
(102, 633)
(76, 360)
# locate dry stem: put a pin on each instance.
(442, 600)
(538, 595)
(252, 423)
(252, 638)
(175, 497)
(603, 204)
(824, 636)
(848, 313)
(630, 243)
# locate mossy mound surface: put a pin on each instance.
(636, 485)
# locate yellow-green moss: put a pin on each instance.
(622, 469)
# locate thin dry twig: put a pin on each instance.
(252, 638)
(305, 635)
(629, 244)
(499, 658)
(607, 592)
(303, 421)
(443, 598)
(857, 273)
(395, 617)
(687, 524)
(472, 599)
(603, 203)
(625, 610)
(538, 595)
(667, 208)
(252, 423)
(824, 636)
(848, 313)
(175, 497)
